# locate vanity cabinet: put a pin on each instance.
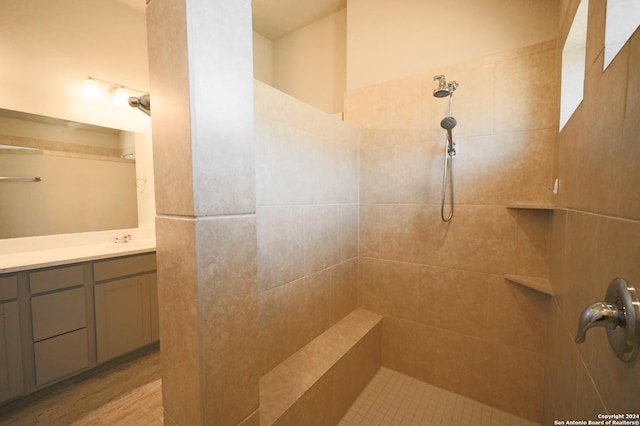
(11, 369)
(125, 305)
(59, 322)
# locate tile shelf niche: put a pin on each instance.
(526, 206)
(539, 284)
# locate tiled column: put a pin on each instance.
(201, 72)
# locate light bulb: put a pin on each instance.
(91, 89)
(121, 96)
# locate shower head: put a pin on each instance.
(441, 92)
(444, 89)
(143, 103)
(448, 123)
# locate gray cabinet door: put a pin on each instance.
(11, 375)
(123, 317)
(155, 324)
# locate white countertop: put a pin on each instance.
(22, 254)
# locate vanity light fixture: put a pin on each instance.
(121, 96)
(92, 88)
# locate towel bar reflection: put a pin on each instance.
(21, 179)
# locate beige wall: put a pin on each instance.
(310, 63)
(596, 229)
(262, 59)
(48, 49)
(451, 318)
(388, 39)
(307, 217)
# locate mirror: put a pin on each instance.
(59, 177)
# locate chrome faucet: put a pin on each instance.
(620, 315)
(599, 314)
(121, 238)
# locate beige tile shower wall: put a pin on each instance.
(451, 318)
(589, 250)
(600, 142)
(204, 158)
(307, 193)
(595, 232)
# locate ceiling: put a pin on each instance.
(275, 18)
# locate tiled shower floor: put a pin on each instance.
(393, 399)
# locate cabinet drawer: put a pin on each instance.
(55, 279)
(60, 356)
(113, 268)
(58, 313)
(8, 288)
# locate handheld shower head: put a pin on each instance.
(448, 123)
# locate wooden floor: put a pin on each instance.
(129, 394)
